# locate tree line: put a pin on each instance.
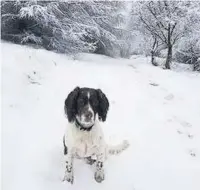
(113, 28)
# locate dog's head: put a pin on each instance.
(85, 104)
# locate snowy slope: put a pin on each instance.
(157, 110)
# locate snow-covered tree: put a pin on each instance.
(164, 20)
(188, 49)
(67, 27)
(114, 28)
(144, 42)
(109, 18)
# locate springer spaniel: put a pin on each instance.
(85, 108)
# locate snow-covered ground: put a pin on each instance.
(157, 110)
(175, 66)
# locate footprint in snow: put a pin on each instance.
(153, 84)
(185, 124)
(132, 66)
(13, 106)
(169, 97)
(184, 131)
(190, 136)
(179, 132)
(32, 79)
(192, 153)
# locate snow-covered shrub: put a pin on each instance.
(67, 27)
(188, 49)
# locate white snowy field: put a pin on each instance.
(157, 110)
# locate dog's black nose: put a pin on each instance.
(88, 115)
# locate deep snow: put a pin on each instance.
(157, 110)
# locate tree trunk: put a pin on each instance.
(196, 65)
(169, 58)
(169, 46)
(153, 50)
(153, 59)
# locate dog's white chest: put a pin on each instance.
(84, 143)
(84, 147)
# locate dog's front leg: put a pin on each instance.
(69, 176)
(99, 173)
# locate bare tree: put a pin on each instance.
(163, 20)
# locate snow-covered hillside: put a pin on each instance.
(157, 110)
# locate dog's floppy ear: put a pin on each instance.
(103, 105)
(70, 104)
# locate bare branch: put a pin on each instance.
(173, 28)
(177, 37)
(155, 15)
(159, 23)
(152, 31)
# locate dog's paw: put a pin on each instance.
(90, 161)
(69, 177)
(99, 176)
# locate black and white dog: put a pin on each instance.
(85, 108)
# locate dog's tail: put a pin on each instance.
(114, 150)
